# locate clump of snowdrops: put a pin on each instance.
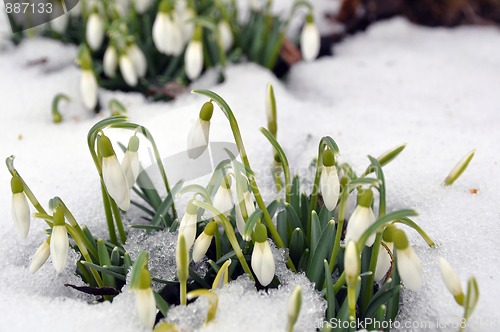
(358, 260)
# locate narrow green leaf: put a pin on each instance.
(314, 270)
(161, 304)
(282, 226)
(330, 295)
(459, 168)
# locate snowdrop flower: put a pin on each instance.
(256, 5)
(203, 241)
(141, 6)
(262, 257)
(384, 260)
(60, 23)
(294, 305)
(187, 226)
(138, 60)
(20, 207)
(310, 39)
(351, 264)
(95, 30)
(240, 219)
(198, 135)
(113, 176)
(226, 35)
(59, 242)
(193, 58)
(110, 61)
(223, 199)
(88, 81)
(145, 300)
(167, 35)
(330, 183)
(130, 163)
(361, 219)
(127, 69)
(451, 280)
(40, 257)
(408, 263)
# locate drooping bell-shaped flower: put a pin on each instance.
(262, 257)
(329, 181)
(198, 135)
(59, 241)
(95, 30)
(193, 58)
(384, 260)
(41, 255)
(203, 241)
(145, 300)
(240, 219)
(138, 60)
(60, 23)
(88, 81)
(362, 218)
(451, 280)
(409, 266)
(20, 207)
(130, 163)
(310, 39)
(113, 176)
(110, 61)
(225, 35)
(127, 69)
(167, 35)
(187, 226)
(141, 6)
(223, 199)
(294, 304)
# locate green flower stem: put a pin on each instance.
(325, 141)
(284, 162)
(420, 231)
(253, 184)
(83, 249)
(109, 215)
(340, 227)
(72, 221)
(119, 223)
(229, 233)
(378, 238)
(183, 292)
(218, 248)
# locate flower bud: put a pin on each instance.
(451, 280)
(361, 219)
(20, 207)
(198, 135)
(59, 241)
(95, 30)
(262, 257)
(193, 58)
(203, 241)
(110, 61)
(40, 257)
(310, 39)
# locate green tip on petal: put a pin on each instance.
(328, 158)
(191, 208)
(388, 235)
(16, 184)
(58, 217)
(226, 181)
(400, 240)
(210, 228)
(164, 6)
(260, 233)
(106, 147)
(206, 112)
(344, 181)
(133, 144)
(310, 18)
(365, 198)
(198, 34)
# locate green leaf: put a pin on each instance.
(161, 304)
(382, 297)
(314, 271)
(296, 245)
(140, 263)
(471, 298)
(105, 270)
(282, 226)
(165, 206)
(292, 216)
(315, 232)
(330, 295)
(252, 221)
(104, 260)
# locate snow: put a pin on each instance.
(435, 89)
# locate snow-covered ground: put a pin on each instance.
(435, 89)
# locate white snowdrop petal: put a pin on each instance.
(201, 246)
(409, 268)
(187, 26)
(198, 138)
(187, 227)
(450, 278)
(59, 247)
(138, 60)
(146, 306)
(131, 167)
(88, 89)
(383, 262)
(116, 182)
(141, 6)
(310, 42)
(110, 61)
(330, 187)
(40, 257)
(60, 23)
(160, 30)
(223, 200)
(128, 71)
(193, 59)
(250, 207)
(360, 220)
(226, 35)
(95, 31)
(21, 214)
(263, 263)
